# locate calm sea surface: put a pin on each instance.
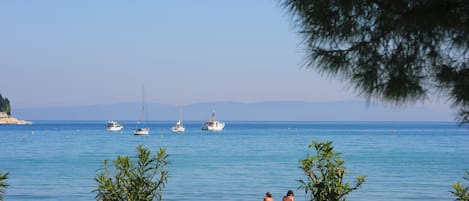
(57, 160)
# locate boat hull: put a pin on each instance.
(178, 129)
(114, 129)
(213, 126)
(142, 131)
(212, 129)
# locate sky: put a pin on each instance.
(71, 53)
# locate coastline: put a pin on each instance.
(5, 119)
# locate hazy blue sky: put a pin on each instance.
(63, 53)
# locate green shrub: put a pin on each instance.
(325, 172)
(142, 179)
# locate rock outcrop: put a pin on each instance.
(6, 119)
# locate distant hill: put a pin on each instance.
(231, 111)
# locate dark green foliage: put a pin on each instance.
(142, 179)
(3, 184)
(398, 51)
(325, 173)
(5, 105)
(463, 117)
(460, 191)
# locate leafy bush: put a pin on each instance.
(325, 172)
(461, 191)
(142, 179)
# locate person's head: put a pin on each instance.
(290, 193)
(268, 194)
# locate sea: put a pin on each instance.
(58, 160)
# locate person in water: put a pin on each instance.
(289, 196)
(268, 197)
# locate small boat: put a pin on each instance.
(113, 126)
(141, 129)
(213, 125)
(178, 128)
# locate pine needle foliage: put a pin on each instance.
(5, 105)
(325, 173)
(397, 51)
(141, 179)
(3, 184)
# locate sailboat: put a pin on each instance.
(178, 128)
(141, 129)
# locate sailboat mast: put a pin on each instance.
(144, 115)
(180, 113)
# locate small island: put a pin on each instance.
(5, 112)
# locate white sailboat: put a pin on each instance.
(178, 128)
(141, 129)
(212, 124)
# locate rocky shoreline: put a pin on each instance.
(6, 119)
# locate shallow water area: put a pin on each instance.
(57, 160)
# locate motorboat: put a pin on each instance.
(113, 126)
(213, 125)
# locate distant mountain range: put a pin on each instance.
(233, 111)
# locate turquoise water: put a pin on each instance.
(57, 160)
